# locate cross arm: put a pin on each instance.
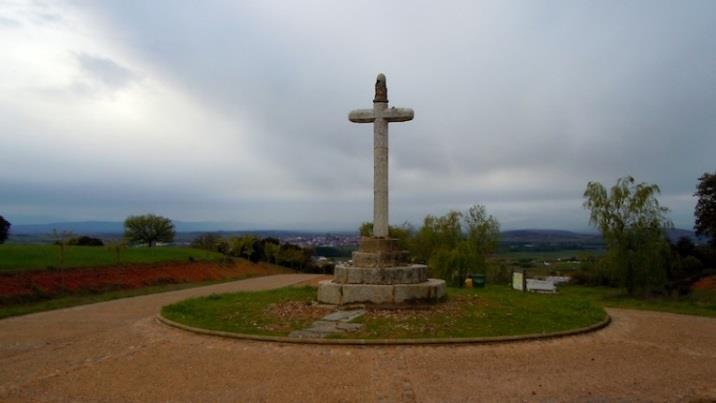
(398, 114)
(362, 116)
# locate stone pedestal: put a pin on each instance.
(379, 275)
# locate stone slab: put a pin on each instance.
(335, 322)
(411, 274)
(344, 316)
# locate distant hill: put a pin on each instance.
(188, 230)
(115, 227)
(548, 235)
(558, 236)
(83, 227)
(675, 233)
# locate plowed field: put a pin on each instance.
(25, 286)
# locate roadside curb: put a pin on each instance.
(390, 342)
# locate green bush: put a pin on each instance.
(498, 273)
(85, 241)
(212, 242)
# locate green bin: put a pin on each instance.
(478, 280)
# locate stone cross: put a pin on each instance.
(380, 115)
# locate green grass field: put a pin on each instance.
(493, 311)
(39, 257)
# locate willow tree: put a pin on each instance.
(706, 207)
(632, 223)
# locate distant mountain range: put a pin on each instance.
(115, 227)
(561, 236)
(548, 235)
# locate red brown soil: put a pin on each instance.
(25, 286)
(706, 283)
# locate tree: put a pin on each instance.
(271, 251)
(632, 223)
(457, 243)
(453, 245)
(242, 246)
(208, 241)
(483, 231)
(437, 233)
(706, 207)
(62, 240)
(4, 229)
(148, 229)
(117, 246)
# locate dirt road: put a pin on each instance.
(116, 351)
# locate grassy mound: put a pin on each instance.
(493, 311)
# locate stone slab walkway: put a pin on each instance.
(116, 351)
(335, 322)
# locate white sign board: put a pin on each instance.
(518, 280)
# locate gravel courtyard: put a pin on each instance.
(116, 351)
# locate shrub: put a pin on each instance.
(594, 272)
(4, 229)
(85, 241)
(498, 273)
(212, 242)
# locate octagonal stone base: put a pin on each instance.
(409, 274)
(330, 292)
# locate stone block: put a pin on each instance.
(428, 291)
(367, 293)
(329, 292)
(387, 275)
(370, 244)
(379, 259)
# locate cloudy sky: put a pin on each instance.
(236, 111)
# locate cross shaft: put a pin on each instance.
(380, 116)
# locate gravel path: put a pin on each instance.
(116, 351)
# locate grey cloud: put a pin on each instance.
(106, 71)
(556, 93)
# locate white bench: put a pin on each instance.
(541, 286)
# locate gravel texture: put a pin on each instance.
(116, 351)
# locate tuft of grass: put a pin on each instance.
(14, 258)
